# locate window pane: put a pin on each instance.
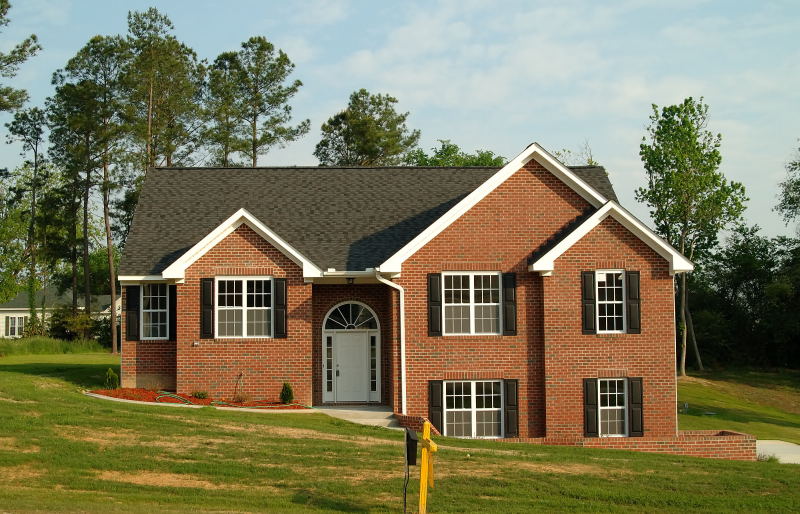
(458, 423)
(456, 319)
(229, 323)
(487, 319)
(258, 322)
(487, 423)
(259, 293)
(456, 289)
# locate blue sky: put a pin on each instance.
(498, 75)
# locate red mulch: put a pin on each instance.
(149, 395)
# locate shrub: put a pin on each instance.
(200, 395)
(287, 395)
(240, 397)
(112, 379)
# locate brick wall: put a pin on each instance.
(571, 356)
(146, 364)
(497, 234)
(256, 367)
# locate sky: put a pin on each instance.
(497, 75)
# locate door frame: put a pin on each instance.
(330, 396)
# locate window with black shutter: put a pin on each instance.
(132, 313)
(511, 408)
(590, 413)
(509, 304)
(206, 308)
(434, 304)
(632, 303)
(635, 407)
(173, 312)
(589, 323)
(280, 308)
(436, 405)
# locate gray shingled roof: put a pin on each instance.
(54, 299)
(343, 218)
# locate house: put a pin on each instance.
(15, 313)
(522, 303)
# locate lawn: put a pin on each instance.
(63, 451)
(765, 404)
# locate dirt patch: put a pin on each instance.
(156, 479)
(14, 474)
(11, 444)
(12, 400)
(563, 469)
(102, 438)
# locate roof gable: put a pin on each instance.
(544, 262)
(177, 269)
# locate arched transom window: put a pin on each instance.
(351, 316)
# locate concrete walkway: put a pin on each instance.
(787, 453)
(376, 415)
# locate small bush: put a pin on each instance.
(287, 395)
(200, 395)
(112, 379)
(240, 397)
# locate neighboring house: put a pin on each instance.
(521, 302)
(14, 314)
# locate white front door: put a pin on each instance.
(352, 366)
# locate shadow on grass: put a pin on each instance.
(309, 498)
(765, 378)
(90, 376)
(737, 415)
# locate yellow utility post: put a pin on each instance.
(426, 468)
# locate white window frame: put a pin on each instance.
(18, 328)
(473, 408)
(597, 302)
(624, 409)
(472, 303)
(142, 311)
(244, 307)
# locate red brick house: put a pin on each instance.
(521, 302)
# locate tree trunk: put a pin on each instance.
(683, 324)
(148, 144)
(73, 254)
(690, 327)
(87, 292)
(32, 242)
(110, 250)
(254, 142)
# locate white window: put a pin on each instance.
(244, 307)
(610, 301)
(15, 325)
(473, 409)
(155, 305)
(471, 303)
(613, 402)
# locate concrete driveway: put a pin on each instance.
(787, 453)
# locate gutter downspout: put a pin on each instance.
(402, 337)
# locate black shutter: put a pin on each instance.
(632, 303)
(173, 312)
(206, 308)
(590, 407)
(635, 411)
(132, 313)
(435, 405)
(280, 308)
(434, 304)
(511, 408)
(509, 304)
(587, 302)
(8, 326)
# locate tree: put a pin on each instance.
(690, 200)
(99, 66)
(10, 98)
(263, 97)
(583, 156)
(12, 244)
(449, 154)
(223, 111)
(369, 132)
(27, 128)
(789, 194)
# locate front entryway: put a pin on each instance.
(351, 355)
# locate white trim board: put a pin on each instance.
(177, 269)
(533, 152)
(545, 264)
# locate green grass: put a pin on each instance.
(47, 345)
(63, 451)
(765, 404)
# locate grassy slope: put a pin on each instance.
(764, 404)
(60, 450)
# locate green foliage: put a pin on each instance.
(262, 98)
(789, 194)
(287, 393)
(68, 326)
(12, 242)
(46, 345)
(98, 273)
(224, 131)
(449, 154)
(369, 132)
(200, 395)
(690, 200)
(112, 379)
(10, 98)
(746, 298)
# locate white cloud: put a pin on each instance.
(320, 12)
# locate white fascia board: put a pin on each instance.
(139, 278)
(177, 269)
(533, 151)
(677, 262)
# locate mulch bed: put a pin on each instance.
(149, 395)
